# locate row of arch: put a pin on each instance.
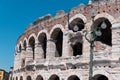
(72, 77)
(57, 35)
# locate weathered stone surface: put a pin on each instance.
(64, 59)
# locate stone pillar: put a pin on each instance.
(115, 43)
(39, 53)
(16, 61)
(67, 48)
(29, 55)
(51, 48)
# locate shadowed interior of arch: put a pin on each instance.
(79, 22)
(77, 47)
(54, 77)
(73, 77)
(32, 45)
(106, 37)
(57, 36)
(39, 77)
(24, 45)
(28, 78)
(100, 77)
(43, 41)
(20, 48)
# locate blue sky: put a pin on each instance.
(16, 15)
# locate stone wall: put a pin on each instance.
(39, 52)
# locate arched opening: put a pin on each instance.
(43, 41)
(54, 77)
(32, 45)
(16, 78)
(19, 48)
(29, 78)
(100, 77)
(76, 22)
(39, 77)
(21, 78)
(77, 49)
(77, 25)
(24, 45)
(73, 77)
(57, 37)
(106, 36)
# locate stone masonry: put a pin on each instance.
(52, 49)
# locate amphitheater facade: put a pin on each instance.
(51, 49)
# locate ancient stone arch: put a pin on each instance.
(57, 26)
(39, 77)
(32, 35)
(42, 41)
(54, 77)
(57, 39)
(32, 44)
(98, 73)
(43, 31)
(80, 16)
(73, 77)
(28, 78)
(25, 43)
(105, 39)
(107, 16)
(76, 24)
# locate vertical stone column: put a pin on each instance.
(16, 61)
(51, 48)
(86, 48)
(22, 55)
(67, 49)
(39, 53)
(115, 43)
(29, 54)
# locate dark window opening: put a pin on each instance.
(43, 40)
(39, 77)
(59, 40)
(106, 36)
(73, 78)
(57, 37)
(24, 45)
(77, 49)
(32, 45)
(29, 78)
(76, 22)
(19, 48)
(44, 46)
(54, 77)
(100, 77)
